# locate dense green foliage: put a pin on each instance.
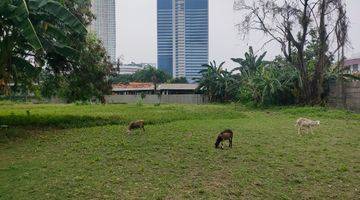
(175, 158)
(88, 80)
(219, 84)
(259, 82)
(310, 34)
(146, 75)
(251, 63)
(254, 81)
(150, 74)
(32, 33)
(178, 80)
(37, 52)
(121, 78)
(267, 83)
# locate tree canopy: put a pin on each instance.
(146, 75)
(293, 24)
(32, 33)
(45, 42)
(255, 81)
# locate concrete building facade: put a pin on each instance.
(105, 25)
(352, 66)
(183, 37)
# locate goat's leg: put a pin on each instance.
(222, 146)
(299, 130)
(312, 132)
(230, 142)
(143, 128)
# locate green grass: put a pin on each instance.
(82, 152)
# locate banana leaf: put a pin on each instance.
(19, 15)
(59, 11)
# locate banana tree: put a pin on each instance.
(270, 83)
(218, 83)
(30, 28)
(250, 63)
(210, 79)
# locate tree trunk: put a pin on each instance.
(305, 89)
(5, 63)
(155, 87)
(300, 45)
(318, 76)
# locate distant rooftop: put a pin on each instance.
(136, 86)
(133, 86)
(178, 86)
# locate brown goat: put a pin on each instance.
(136, 125)
(225, 135)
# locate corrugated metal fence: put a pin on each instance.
(153, 99)
(345, 95)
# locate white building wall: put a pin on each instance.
(105, 25)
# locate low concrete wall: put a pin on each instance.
(153, 99)
(345, 95)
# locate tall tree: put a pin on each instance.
(290, 23)
(151, 74)
(332, 21)
(31, 31)
(90, 79)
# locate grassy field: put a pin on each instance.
(83, 152)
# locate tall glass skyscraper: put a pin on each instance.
(183, 36)
(105, 25)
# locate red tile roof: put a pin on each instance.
(132, 86)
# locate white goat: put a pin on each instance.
(306, 123)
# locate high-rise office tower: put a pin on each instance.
(105, 25)
(183, 36)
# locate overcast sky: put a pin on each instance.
(136, 31)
